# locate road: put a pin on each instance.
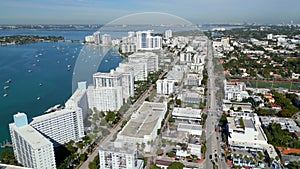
(212, 143)
(125, 116)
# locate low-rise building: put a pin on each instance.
(144, 124)
(236, 106)
(193, 129)
(245, 133)
(285, 123)
(187, 114)
(177, 73)
(191, 97)
(235, 91)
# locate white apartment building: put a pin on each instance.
(165, 86)
(193, 79)
(119, 156)
(146, 57)
(143, 125)
(111, 90)
(235, 91)
(111, 79)
(128, 44)
(140, 70)
(60, 126)
(31, 149)
(105, 98)
(186, 57)
(127, 79)
(143, 63)
(78, 101)
(106, 40)
(145, 41)
(199, 59)
(89, 39)
(128, 48)
(97, 39)
(168, 34)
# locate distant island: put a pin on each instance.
(25, 39)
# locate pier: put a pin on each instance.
(5, 144)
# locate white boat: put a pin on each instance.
(69, 67)
(29, 71)
(5, 95)
(8, 81)
(5, 87)
(38, 98)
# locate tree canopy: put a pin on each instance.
(176, 165)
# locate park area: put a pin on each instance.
(272, 85)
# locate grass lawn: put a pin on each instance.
(286, 85)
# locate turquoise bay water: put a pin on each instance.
(38, 70)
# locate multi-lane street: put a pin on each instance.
(213, 153)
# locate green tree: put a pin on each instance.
(160, 152)
(95, 164)
(171, 120)
(178, 102)
(110, 116)
(83, 157)
(285, 113)
(7, 157)
(80, 144)
(153, 166)
(176, 165)
(171, 154)
(203, 149)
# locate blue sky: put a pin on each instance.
(103, 11)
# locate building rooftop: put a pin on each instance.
(119, 147)
(189, 126)
(286, 123)
(7, 166)
(187, 112)
(143, 121)
(248, 123)
(77, 95)
(50, 115)
(112, 74)
(33, 137)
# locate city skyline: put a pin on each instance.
(101, 12)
